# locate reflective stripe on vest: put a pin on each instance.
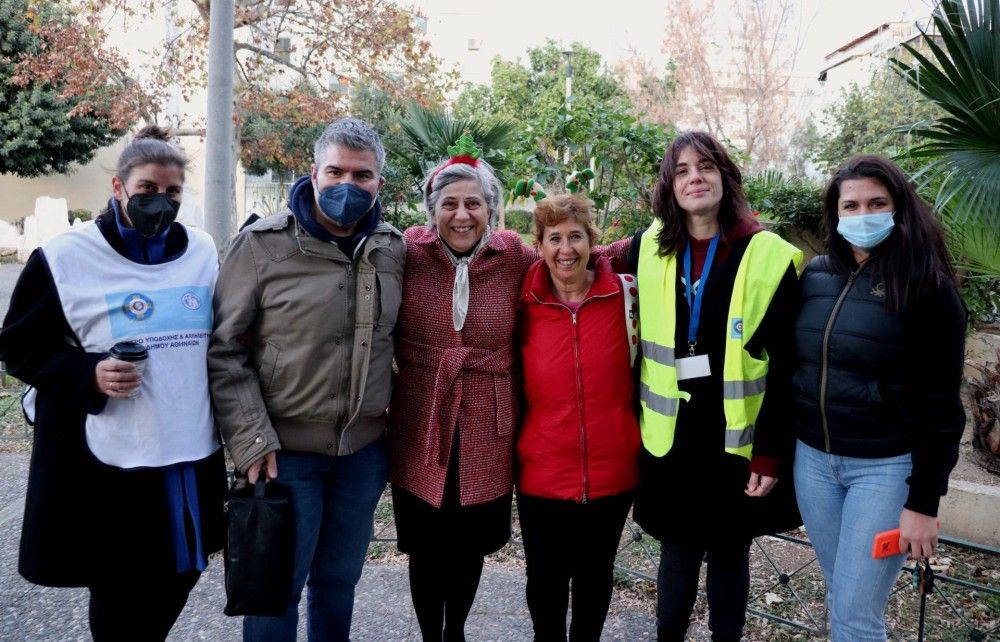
(760, 271)
(658, 353)
(659, 396)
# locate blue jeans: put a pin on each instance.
(844, 502)
(334, 501)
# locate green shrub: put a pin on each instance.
(626, 221)
(982, 298)
(521, 221)
(404, 217)
(790, 204)
(80, 213)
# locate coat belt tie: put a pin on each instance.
(450, 363)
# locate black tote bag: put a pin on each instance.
(260, 549)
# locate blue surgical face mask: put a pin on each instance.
(866, 231)
(345, 203)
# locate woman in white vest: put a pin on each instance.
(126, 479)
(717, 302)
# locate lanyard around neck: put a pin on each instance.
(694, 296)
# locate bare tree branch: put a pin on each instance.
(242, 46)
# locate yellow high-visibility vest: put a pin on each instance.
(761, 269)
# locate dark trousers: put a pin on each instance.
(569, 543)
(138, 608)
(727, 585)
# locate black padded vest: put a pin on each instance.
(848, 387)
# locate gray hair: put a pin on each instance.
(150, 145)
(482, 173)
(352, 133)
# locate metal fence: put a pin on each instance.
(264, 198)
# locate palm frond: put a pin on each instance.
(975, 245)
(960, 72)
(429, 132)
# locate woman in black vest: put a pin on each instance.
(880, 343)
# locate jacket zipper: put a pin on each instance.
(823, 375)
(579, 401)
(579, 387)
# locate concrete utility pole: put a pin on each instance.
(569, 99)
(219, 125)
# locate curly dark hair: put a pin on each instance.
(734, 204)
(914, 257)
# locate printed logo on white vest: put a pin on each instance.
(191, 301)
(137, 306)
(180, 310)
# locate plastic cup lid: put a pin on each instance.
(129, 351)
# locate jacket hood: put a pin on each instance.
(538, 282)
(301, 199)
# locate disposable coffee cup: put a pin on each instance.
(134, 353)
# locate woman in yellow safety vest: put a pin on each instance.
(717, 303)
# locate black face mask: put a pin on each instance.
(151, 213)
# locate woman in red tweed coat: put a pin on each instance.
(453, 411)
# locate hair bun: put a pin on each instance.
(155, 132)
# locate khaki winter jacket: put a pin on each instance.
(301, 351)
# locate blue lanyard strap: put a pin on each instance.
(694, 296)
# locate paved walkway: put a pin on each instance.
(382, 607)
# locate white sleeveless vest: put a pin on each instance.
(168, 308)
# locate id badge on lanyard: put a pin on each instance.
(694, 365)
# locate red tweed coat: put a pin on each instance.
(447, 378)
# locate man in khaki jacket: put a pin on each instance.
(300, 362)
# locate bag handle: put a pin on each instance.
(259, 487)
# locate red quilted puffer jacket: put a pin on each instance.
(580, 437)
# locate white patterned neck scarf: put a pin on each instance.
(460, 290)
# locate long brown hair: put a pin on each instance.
(674, 235)
(914, 257)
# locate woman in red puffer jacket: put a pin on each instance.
(579, 443)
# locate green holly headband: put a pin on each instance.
(463, 152)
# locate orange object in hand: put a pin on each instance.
(886, 543)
